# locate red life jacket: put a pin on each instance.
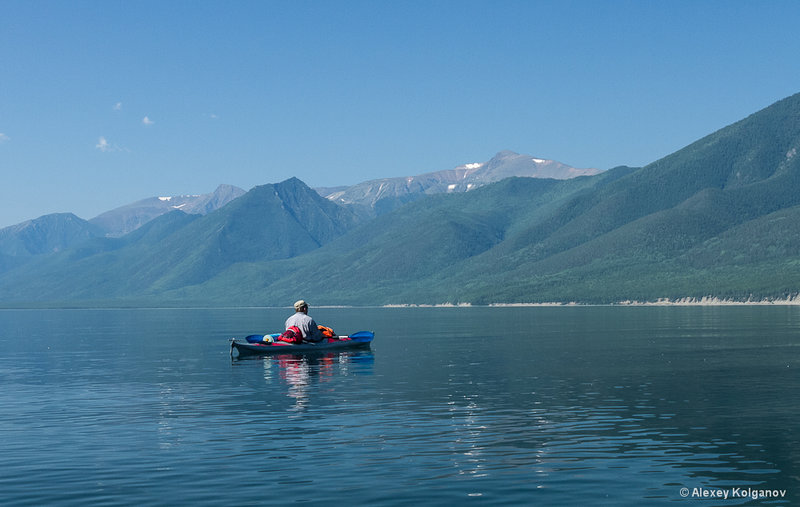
(291, 335)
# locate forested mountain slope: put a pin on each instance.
(682, 226)
(719, 217)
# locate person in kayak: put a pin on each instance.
(301, 320)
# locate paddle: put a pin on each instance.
(361, 335)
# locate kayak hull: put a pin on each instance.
(362, 339)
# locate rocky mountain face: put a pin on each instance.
(380, 196)
(122, 220)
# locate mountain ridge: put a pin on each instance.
(386, 194)
(272, 221)
(124, 219)
(46, 234)
(127, 218)
(716, 218)
(626, 235)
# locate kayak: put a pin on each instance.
(257, 344)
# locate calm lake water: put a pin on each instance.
(547, 406)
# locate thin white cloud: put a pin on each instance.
(4, 138)
(147, 121)
(118, 106)
(105, 146)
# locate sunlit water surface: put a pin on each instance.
(552, 406)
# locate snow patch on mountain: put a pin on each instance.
(125, 219)
(379, 196)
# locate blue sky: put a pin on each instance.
(106, 102)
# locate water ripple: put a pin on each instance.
(554, 420)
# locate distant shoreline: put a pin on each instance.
(688, 301)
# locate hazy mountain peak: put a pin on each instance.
(46, 234)
(380, 196)
(130, 217)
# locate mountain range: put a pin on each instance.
(58, 231)
(719, 217)
(376, 197)
(125, 219)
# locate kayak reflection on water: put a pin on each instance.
(302, 372)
